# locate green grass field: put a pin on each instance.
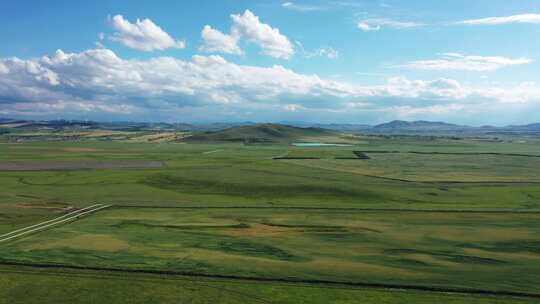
(33, 286)
(452, 249)
(435, 167)
(341, 241)
(247, 175)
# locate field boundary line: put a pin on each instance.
(449, 153)
(213, 151)
(284, 154)
(151, 277)
(435, 182)
(427, 288)
(515, 211)
(78, 215)
(426, 182)
(154, 279)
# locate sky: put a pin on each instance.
(320, 61)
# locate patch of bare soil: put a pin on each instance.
(55, 207)
(81, 150)
(77, 165)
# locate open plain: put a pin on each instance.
(399, 219)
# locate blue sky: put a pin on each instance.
(470, 62)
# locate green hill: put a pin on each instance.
(260, 133)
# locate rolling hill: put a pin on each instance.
(260, 133)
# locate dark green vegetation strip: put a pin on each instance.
(361, 155)
(466, 259)
(216, 187)
(34, 285)
(179, 227)
(450, 182)
(449, 153)
(471, 291)
(293, 157)
(510, 211)
(199, 288)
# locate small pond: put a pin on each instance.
(320, 145)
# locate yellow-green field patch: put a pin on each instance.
(96, 242)
(455, 249)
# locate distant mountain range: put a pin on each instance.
(417, 125)
(529, 127)
(392, 127)
(422, 126)
(426, 126)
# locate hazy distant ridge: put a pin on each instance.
(395, 126)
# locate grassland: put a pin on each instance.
(433, 167)
(31, 286)
(444, 220)
(451, 249)
(238, 174)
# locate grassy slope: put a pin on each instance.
(91, 287)
(459, 250)
(260, 133)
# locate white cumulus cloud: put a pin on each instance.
(410, 111)
(292, 107)
(99, 82)
(328, 52)
(366, 27)
(247, 26)
(3, 69)
(143, 35)
(442, 88)
(269, 39)
(216, 41)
